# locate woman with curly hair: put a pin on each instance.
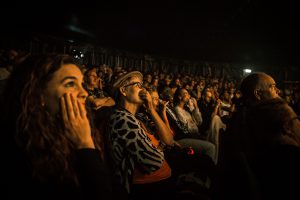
(55, 152)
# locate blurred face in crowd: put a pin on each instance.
(226, 96)
(167, 81)
(201, 85)
(184, 95)
(103, 68)
(238, 94)
(67, 79)
(177, 81)
(187, 87)
(155, 98)
(172, 91)
(93, 78)
(161, 76)
(208, 96)
(155, 82)
(148, 78)
(192, 84)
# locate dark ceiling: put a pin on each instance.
(251, 31)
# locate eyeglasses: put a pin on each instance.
(138, 84)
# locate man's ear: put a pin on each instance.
(257, 94)
(287, 129)
(122, 91)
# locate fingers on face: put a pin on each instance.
(63, 108)
(74, 105)
(71, 107)
(148, 96)
(82, 110)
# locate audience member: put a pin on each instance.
(239, 141)
(138, 158)
(54, 153)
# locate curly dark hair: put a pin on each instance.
(39, 135)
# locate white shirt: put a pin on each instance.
(192, 121)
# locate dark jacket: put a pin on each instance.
(94, 178)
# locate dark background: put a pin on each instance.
(247, 31)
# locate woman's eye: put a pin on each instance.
(70, 84)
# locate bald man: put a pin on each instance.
(258, 87)
(238, 141)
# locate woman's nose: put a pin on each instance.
(82, 93)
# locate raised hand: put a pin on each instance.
(77, 125)
(146, 97)
(164, 105)
(194, 101)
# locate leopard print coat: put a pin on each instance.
(131, 147)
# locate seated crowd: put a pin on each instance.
(79, 132)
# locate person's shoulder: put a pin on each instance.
(122, 115)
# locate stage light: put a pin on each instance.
(247, 71)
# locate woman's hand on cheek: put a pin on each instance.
(77, 125)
